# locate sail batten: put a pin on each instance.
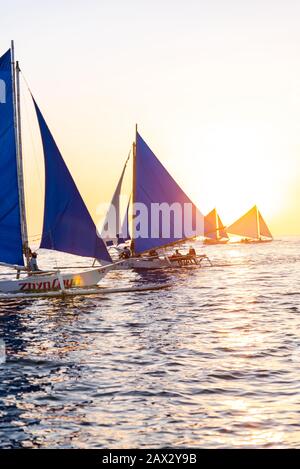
(68, 226)
(11, 250)
(155, 188)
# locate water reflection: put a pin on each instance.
(210, 362)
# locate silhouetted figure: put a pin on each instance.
(126, 253)
(33, 265)
(192, 252)
(153, 253)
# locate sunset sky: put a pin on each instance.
(213, 85)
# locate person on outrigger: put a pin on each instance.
(192, 255)
(153, 253)
(33, 265)
(192, 252)
(125, 254)
(176, 256)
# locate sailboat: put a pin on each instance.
(155, 190)
(251, 227)
(115, 230)
(67, 227)
(214, 230)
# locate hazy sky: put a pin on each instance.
(214, 86)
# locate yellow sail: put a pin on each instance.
(221, 229)
(211, 225)
(251, 225)
(263, 228)
(247, 225)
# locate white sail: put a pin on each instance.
(112, 224)
(124, 232)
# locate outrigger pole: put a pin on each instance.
(18, 137)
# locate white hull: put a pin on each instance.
(86, 291)
(52, 281)
(161, 263)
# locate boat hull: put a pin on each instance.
(215, 241)
(161, 263)
(255, 241)
(52, 281)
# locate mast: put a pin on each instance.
(18, 137)
(133, 191)
(257, 223)
(217, 225)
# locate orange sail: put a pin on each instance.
(210, 225)
(251, 225)
(213, 226)
(222, 230)
(264, 230)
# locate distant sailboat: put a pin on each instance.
(214, 230)
(68, 226)
(252, 227)
(115, 230)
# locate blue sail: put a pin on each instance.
(155, 186)
(68, 226)
(10, 225)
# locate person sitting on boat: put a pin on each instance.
(191, 256)
(120, 239)
(153, 253)
(126, 253)
(192, 252)
(33, 265)
(176, 254)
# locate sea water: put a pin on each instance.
(2, 352)
(214, 361)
